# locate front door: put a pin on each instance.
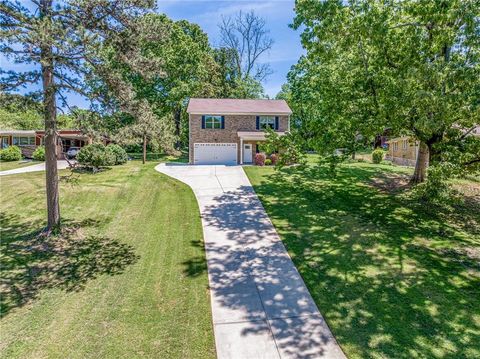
(247, 153)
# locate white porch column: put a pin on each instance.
(241, 150)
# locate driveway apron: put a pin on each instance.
(260, 305)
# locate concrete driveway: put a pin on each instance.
(61, 164)
(260, 305)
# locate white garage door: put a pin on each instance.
(215, 153)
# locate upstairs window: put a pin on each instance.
(212, 122)
(266, 122)
(405, 144)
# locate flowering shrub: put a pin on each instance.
(274, 158)
(260, 159)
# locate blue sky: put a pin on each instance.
(278, 14)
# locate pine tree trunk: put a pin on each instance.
(421, 165)
(144, 159)
(50, 115)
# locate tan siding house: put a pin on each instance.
(228, 131)
(404, 150)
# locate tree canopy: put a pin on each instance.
(411, 67)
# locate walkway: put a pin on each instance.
(61, 164)
(260, 305)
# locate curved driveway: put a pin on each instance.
(260, 305)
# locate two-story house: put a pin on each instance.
(228, 131)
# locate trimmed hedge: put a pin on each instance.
(377, 155)
(268, 162)
(11, 153)
(39, 153)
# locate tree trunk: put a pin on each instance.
(178, 119)
(50, 115)
(422, 164)
(144, 159)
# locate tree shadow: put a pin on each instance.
(32, 263)
(378, 265)
(254, 285)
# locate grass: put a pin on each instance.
(123, 280)
(4, 166)
(156, 157)
(393, 278)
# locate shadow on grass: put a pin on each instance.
(393, 277)
(68, 261)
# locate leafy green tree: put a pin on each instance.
(412, 67)
(59, 38)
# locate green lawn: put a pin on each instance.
(393, 278)
(124, 281)
(4, 166)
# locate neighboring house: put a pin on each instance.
(404, 150)
(229, 131)
(29, 140)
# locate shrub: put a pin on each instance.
(260, 159)
(95, 156)
(11, 153)
(377, 155)
(268, 162)
(39, 153)
(119, 153)
(274, 158)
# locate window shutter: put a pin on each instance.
(203, 121)
(223, 122)
(258, 122)
(276, 123)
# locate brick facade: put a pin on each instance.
(233, 124)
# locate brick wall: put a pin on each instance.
(233, 123)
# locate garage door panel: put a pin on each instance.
(215, 153)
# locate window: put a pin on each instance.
(405, 144)
(395, 146)
(23, 141)
(213, 121)
(267, 122)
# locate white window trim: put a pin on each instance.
(264, 121)
(213, 121)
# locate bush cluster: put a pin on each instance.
(11, 153)
(377, 155)
(260, 159)
(39, 153)
(119, 153)
(98, 155)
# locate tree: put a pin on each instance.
(247, 37)
(60, 38)
(412, 67)
(147, 129)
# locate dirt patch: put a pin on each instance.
(391, 182)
